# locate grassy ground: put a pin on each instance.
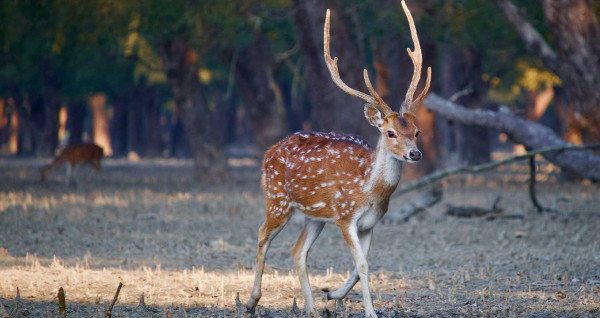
(189, 248)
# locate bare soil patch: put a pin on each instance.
(189, 247)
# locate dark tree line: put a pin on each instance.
(208, 79)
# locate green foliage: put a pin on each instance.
(112, 46)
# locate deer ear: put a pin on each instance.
(409, 115)
(373, 115)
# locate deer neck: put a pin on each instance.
(384, 173)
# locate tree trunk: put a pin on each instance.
(49, 141)
(100, 123)
(178, 146)
(532, 135)
(143, 121)
(75, 122)
(576, 59)
(118, 125)
(332, 108)
(135, 107)
(463, 144)
(181, 65)
(261, 94)
(153, 141)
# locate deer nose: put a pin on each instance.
(414, 155)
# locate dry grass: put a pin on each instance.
(189, 248)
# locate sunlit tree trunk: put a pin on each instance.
(100, 123)
(538, 102)
(62, 124)
(13, 141)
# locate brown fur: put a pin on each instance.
(74, 155)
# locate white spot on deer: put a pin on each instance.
(352, 203)
(337, 195)
(318, 205)
(304, 188)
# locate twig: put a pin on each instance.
(534, 200)
(109, 311)
(468, 90)
(62, 304)
(286, 54)
(442, 174)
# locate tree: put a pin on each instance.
(332, 108)
(574, 55)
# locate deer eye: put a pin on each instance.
(417, 134)
(391, 134)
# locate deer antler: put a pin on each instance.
(373, 99)
(417, 58)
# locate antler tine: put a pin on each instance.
(373, 99)
(426, 89)
(417, 58)
(381, 104)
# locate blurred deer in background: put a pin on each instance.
(339, 179)
(75, 155)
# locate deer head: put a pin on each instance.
(398, 130)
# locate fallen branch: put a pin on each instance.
(109, 311)
(532, 135)
(441, 174)
(474, 211)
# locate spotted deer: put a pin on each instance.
(339, 179)
(75, 155)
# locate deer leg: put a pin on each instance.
(351, 237)
(309, 234)
(365, 244)
(267, 232)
